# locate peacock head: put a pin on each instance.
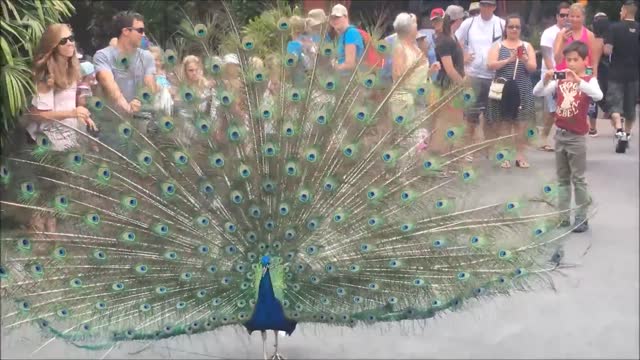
(265, 260)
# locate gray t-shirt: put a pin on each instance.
(128, 77)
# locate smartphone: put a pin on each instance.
(521, 50)
(559, 75)
(589, 71)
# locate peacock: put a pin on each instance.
(288, 194)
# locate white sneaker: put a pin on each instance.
(620, 135)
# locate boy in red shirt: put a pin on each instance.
(573, 95)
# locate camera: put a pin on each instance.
(559, 75)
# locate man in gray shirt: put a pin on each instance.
(123, 69)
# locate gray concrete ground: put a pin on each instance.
(592, 314)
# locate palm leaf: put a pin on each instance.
(22, 26)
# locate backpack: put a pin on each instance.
(372, 58)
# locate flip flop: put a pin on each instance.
(546, 148)
(506, 164)
(522, 164)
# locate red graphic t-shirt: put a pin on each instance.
(572, 107)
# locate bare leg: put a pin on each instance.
(616, 120)
(546, 129)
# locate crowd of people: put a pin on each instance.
(581, 70)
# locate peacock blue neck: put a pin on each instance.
(268, 313)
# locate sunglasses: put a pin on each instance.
(563, 15)
(65, 40)
(139, 30)
(513, 27)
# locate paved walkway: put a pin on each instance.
(592, 314)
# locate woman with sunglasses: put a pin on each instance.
(575, 30)
(54, 112)
(513, 60)
(56, 71)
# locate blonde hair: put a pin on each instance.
(49, 66)
(578, 6)
(156, 51)
(298, 24)
(192, 59)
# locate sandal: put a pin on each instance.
(546, 148)
(506, 164)
(522, 164)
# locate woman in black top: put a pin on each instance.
(449, 53)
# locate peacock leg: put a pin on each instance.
(264, 343)
(276, 355)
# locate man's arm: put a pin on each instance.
(149, 71)
(109, 87)
(104, 75)
(546, 49)
(558, 46)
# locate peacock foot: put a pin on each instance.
(277, 356)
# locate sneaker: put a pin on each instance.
(619, 134)
(593, 132)
(584, 226)
(622, 144)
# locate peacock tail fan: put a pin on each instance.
(161, 230)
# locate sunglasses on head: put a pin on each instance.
(65, 40)
(139, 30)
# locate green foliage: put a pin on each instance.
(23, 23)
(263, 29)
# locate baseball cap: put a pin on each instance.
(339, 10)
(490, 2)
(316, 17)
(455, 12)
(474, 6)
(436, 13)
(600, 14)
